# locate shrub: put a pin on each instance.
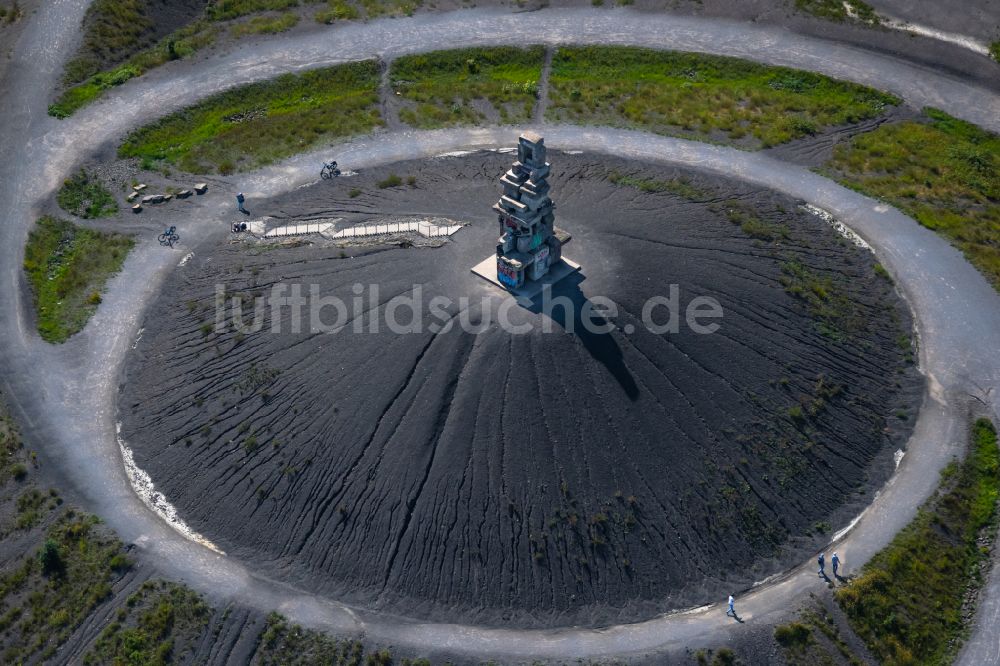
(86, 197)
(793, 634)
(391, 181)
(119, 562)
(337, 10)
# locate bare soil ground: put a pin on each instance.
(540, 478)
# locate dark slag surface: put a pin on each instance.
(538, 479)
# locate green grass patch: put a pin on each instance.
(445, 85)
(836, 10)
(223, 10)
(259, 124)
(907, 602)
(835, 315)
(151, 625)
(702, 96)
(755, 226)
(337, 10)
(347, 10)
(995, 50)
(67, 267)
(85, 197)
(945, 173)
(266, 25)
(680, 187)
(52, 590)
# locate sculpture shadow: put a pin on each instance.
(602, 347)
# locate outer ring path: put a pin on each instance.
(66, 394)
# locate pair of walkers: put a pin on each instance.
(821, 560)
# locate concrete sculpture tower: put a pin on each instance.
(529, 250)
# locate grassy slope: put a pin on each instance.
(118, 43)
(443, 84)
(44, 600)
(702, 96)
(114, 30)
(44, 605)
(119, 32)
(945, 173)
(289, 644)
(67, 266)
(814, 640)
(151, 624)
(179, 44)
(907, 602)
(264, 122)
(40, 608)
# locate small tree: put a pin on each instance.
(51, 558)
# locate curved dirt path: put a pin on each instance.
(66, 394)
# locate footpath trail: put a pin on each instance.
(65, 395)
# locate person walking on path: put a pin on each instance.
(836, 564)
(732, 610)
(821, 560)
(239, 203)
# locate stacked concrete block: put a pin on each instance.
(529, 242)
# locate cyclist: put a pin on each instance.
(329, 170)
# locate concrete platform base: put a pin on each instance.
(487, 269)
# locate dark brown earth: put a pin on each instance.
(541, 478)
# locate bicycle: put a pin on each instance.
(168, 237)
(329, 170)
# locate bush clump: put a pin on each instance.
(84, 196)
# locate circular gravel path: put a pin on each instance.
(65, 395)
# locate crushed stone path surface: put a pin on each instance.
(64, 395)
